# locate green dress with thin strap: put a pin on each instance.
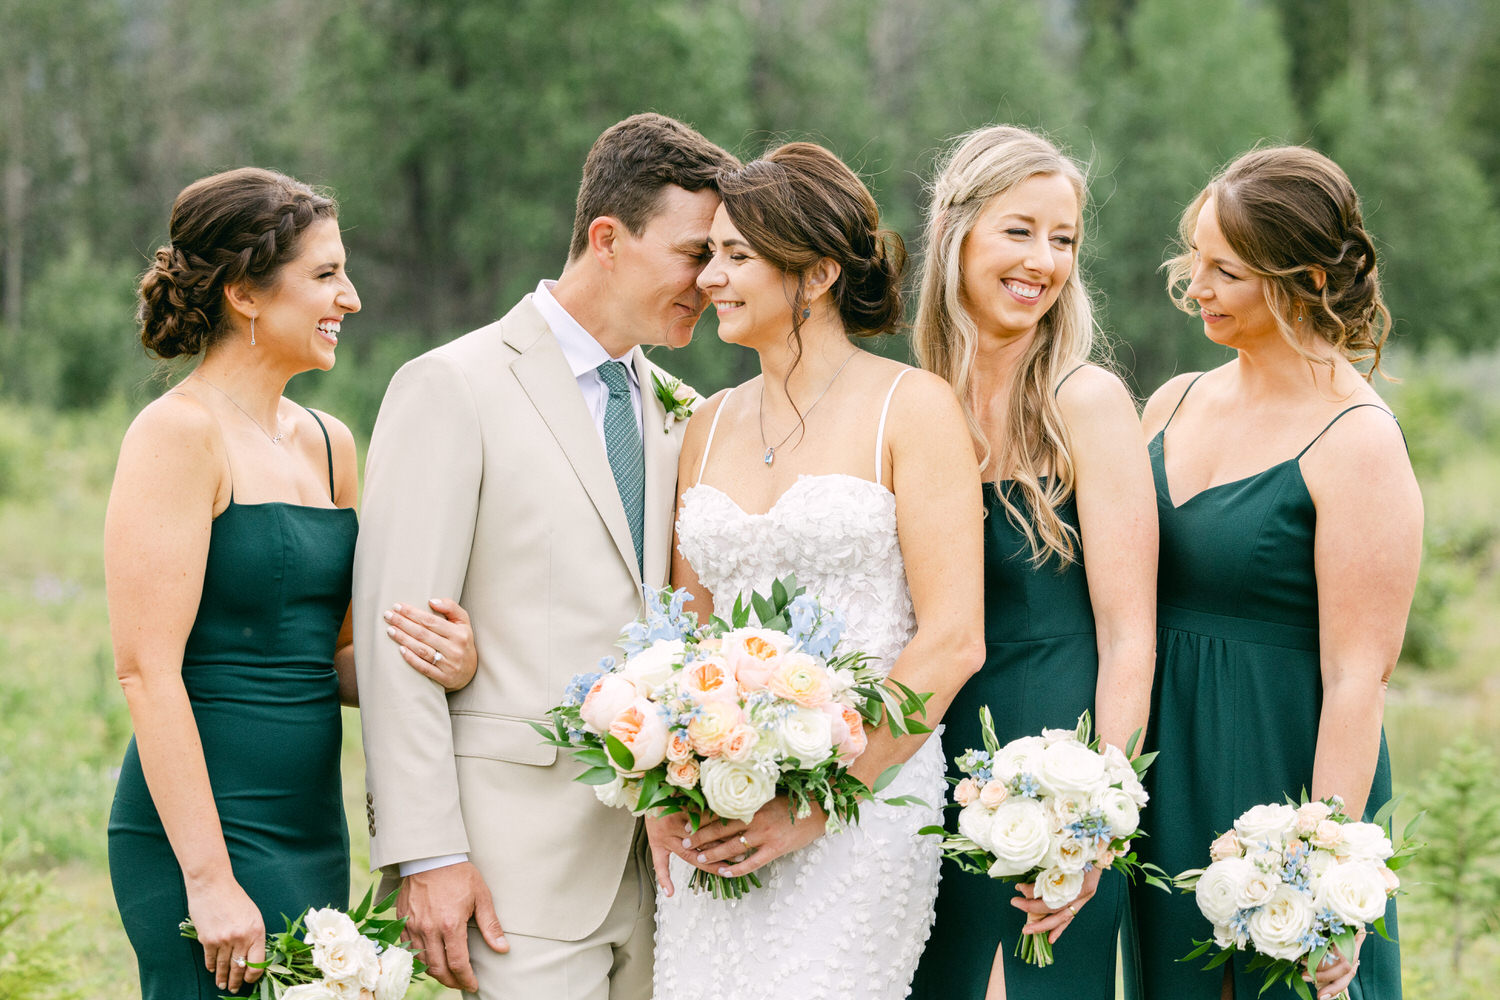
(258, 669)
(1234, 711)
(1040, 669)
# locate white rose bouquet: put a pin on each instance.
(327, 954)
(1290, 882)
(1047, 810)
(717, 720)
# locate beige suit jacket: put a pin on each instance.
(487, 481)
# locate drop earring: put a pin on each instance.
(252, 331)
(806, 313)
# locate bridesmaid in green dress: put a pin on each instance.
(1070, 535)
(1290, 534)
(229, 546)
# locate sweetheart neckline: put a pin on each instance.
(801, 478)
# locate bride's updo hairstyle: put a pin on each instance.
(799, 204)
(238, 227)
(1291, 215)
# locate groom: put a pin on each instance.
(526, 468)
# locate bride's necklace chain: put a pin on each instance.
(273, 438)
(770, 455)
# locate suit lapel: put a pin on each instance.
(661, 476)
(544, 375)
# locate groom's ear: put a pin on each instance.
(604, 237)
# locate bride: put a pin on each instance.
(855, 473)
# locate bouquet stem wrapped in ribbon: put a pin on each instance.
(717, 720)
(1290, 882)
(1047, 810)
(326, 954)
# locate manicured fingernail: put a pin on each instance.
(687, 842)
(387, 616)
(434, 601)
(702, 858)
(390, 631)
(724, 872)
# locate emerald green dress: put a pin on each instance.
(258, 669)
(1040, 669)
(1234, 710)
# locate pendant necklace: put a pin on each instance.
(274, 439)
(770, 455)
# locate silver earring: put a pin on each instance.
(252, 331)
(806, 313)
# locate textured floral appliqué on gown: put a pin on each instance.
(846, 916)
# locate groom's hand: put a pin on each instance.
(438, 905)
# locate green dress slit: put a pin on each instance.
(1234, 711)
(1040, 670)
(258, 669)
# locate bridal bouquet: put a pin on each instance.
(327, 954)
(717, 720)
(1048, 809)
(1289, 882)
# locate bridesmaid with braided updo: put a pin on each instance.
(1291, 529)
(229, 546)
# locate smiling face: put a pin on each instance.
(654, 279)
(752, 298)
(1019, 255)
(1231, 298)
(301, 313)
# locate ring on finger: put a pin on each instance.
(743, 841)
(239, 960)
(1072, 910)
(436, 657)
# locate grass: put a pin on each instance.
(66, 724)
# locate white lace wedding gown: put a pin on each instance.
(846, 916)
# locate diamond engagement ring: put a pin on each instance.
(436, 657)
(239, 961)
(743, 841)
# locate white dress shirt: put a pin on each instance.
(584, 355)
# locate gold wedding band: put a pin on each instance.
(743, 841)
(1073, 910)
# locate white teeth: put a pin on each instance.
(1025, 291)
(332, 329)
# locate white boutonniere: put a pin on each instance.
(677, 399)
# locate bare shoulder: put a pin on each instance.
(345, 457)
(1362, 439)
(1163, 401)
(922, 396)
(1093, 393)
(339, 434)
(173, 447)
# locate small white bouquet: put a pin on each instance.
(1290, 882)
(327, 954)
(717, 720)
(1047, 810)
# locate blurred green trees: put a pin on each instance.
(453, 134)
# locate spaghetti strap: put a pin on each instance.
(1184, 395)
(328, 446)
(703, 462)
(1339, 417)
(1075, 371)
(880, 434)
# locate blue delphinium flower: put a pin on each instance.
(664, 619)
(579, 687)
(815, 628)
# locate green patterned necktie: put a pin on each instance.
(627, 459)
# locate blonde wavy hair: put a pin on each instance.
(1291, 215)
(979, 166)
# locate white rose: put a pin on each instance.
(1069, 854)
(353, 962)
(1278, 928)
(619, 793)
(1226, 937)
(1067, 767)
(1266, 860)
(654, 664)
(1019, 836)
(1258, 889)
(1354, 891)
(1120, 812)
(976, 822)
(1318, 863)
(736, 789)
(1267, 824)
(1329, 835)
(1365, 842)
(1050, 736)
(1065, 809)
(1219, 887)
(807, 735)
(328, 926)
(310, 991)
(1059, 888)
(1017, 756)
(395, 973)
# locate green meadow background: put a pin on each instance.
(453, 133)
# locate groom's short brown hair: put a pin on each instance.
(629, 165)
